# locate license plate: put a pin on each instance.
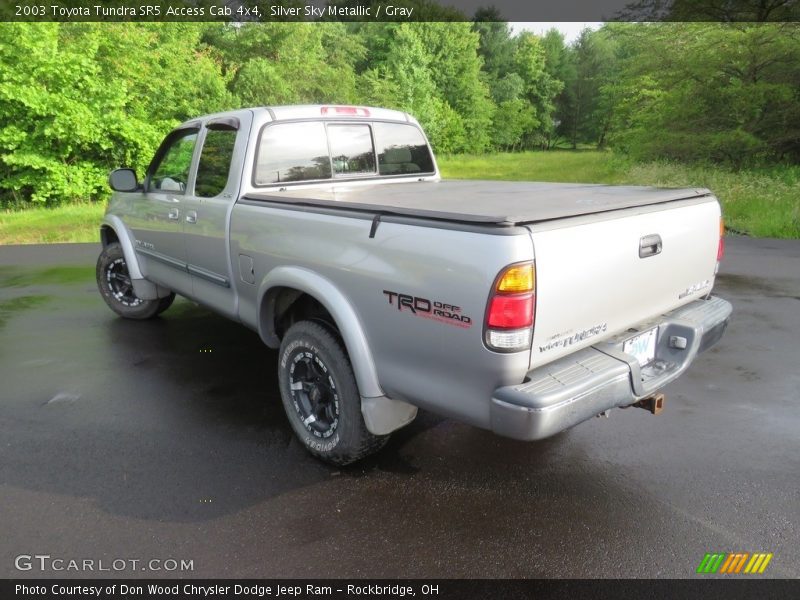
(642, 346)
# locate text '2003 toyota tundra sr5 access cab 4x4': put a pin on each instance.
(523, 308)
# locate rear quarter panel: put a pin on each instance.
(425, 359)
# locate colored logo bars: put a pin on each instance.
(734, 562)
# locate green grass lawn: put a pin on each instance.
(762, 203)
(73, 223)
(580, 166)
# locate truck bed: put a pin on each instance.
(482, 202)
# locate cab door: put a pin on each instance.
(156, 222)
(207, 210)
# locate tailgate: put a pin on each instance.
(599, 275)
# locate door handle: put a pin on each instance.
(650, 245)
(174, 214)
(191, 216)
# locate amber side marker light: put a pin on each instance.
(518, 278)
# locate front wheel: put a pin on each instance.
(320, 395)
(116, 288)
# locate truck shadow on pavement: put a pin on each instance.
(180, 419)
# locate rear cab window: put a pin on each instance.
(213, 168)
(316, 151)
(401, 149)
(289, 152)
(352, 151)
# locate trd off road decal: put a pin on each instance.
(429, 309)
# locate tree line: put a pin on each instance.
(77, 99)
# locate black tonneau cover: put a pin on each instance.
(503, 203)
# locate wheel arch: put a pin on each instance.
(113, 230)
(284, 286)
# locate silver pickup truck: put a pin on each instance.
(523, 308)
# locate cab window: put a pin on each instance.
(290, 152)
(312, 151)
(352, 152)
(213, 168)
(401, 149)
(171, 171)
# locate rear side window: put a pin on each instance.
(292, 152)
(352, 152)
(215, 162)
(401, 149)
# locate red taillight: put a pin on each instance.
(352, 111)
(510, 312)
(721, 246)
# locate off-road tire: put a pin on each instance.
(113, 281)
(165, 303)
(316, 380)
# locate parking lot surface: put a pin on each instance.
(167, 440)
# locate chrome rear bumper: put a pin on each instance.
(584, 384)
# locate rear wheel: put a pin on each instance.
(116, 288)
(320, 395)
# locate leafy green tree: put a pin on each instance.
(49, 133)
(80, 98)
(402, 79)
(540, 88)
(285, 63)
(589, 64)
(516, 72)
(560, 66)
(456, 72)
(513, 119)
(709, 91)
(496, 45)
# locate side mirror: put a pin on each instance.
(123, 180)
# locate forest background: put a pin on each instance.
(704, 104)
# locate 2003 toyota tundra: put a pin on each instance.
(523, 308)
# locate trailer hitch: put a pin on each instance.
(654, 403)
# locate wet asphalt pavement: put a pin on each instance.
(167, 439)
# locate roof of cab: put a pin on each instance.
(310, 111)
